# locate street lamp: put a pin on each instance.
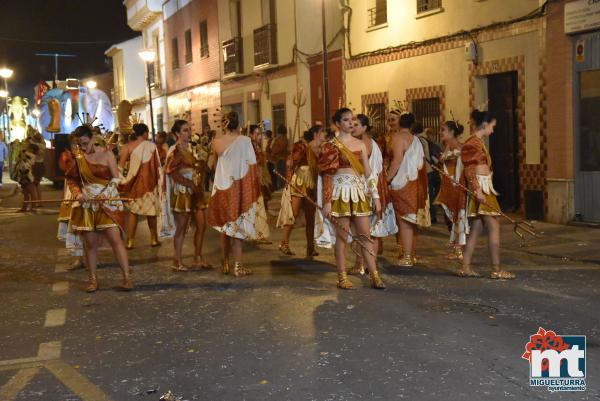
(91, 84)
(149, 56)
(325, 66)
(4, 95)
(6, 73)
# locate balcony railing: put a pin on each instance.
(233, 56)
(265, 45)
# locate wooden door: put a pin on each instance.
(504, 142)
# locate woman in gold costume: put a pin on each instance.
(348, 190)
(180, 169)
(303, 170)
(451, 197)
(483, 208)
(98, 212)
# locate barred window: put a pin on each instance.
(378, 14)
(188, 46)
(427, 111)
(175, 53)
(424, 6)
(203, 39)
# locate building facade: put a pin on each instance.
(267, 50)
(129, 83)
(443, 59)
(192, 61)
(146, 16)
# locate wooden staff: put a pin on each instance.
(75, 200)
(519, 227)
(333, 220)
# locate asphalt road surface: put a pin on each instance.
(286, 333)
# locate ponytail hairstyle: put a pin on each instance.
(454, 126)
(481, 117)
(364, 121)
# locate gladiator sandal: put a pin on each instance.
(153, 241)
(225, 266)
(357, 269)
(466, 271)
(239, 270)
(498, 273)
(406, 261)
(92, 284)
(284, 247)
(376, 281)
(343, 282)
(127, 283)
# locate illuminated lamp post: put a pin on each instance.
(149, 56)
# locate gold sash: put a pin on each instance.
(86, 173)
(354, 162)
(311, 158)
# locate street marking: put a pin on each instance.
(60, 286)
(46, 351)
(48, 355)
(51, 350)
(17, 383)
(78, 384)
(55, 317)
(61, 268)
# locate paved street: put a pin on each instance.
(286, 333)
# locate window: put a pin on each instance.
(156, 64)
(175, 53)
(205, 125)
(278, 116)
(376, 113)
(424, 6)
(188, 46)
(203, 39)
(378, 14)
(427, 111)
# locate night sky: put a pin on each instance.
(32, 21)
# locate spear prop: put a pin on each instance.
(332, 219)
(75, 200)
(520, 228)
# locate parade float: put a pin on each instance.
(63, 108)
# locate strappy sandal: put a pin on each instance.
(180, 268)
(466, 272)
(500, 274)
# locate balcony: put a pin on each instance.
(233, 56)
(140, 13)
(265, 46)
